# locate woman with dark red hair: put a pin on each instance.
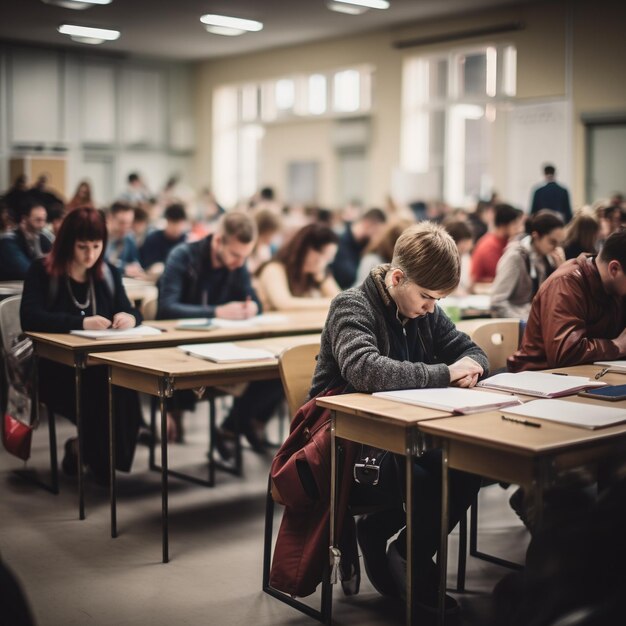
(70, 289)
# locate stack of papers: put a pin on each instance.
(452, 399)
(206, 323)
(226, 352)
(573, 413)
(539, 384)
(112, 333)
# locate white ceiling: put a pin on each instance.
(172, 28)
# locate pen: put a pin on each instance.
(521, 421)
(559, 373)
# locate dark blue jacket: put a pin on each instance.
(552, 196)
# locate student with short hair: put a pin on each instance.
(490, 247)
(526, 264)
(387, 334)
(208, 278)
(578, 315)
(28, 241)
(121, 250)
(352, 242)
(159, 243)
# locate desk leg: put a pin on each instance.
(442, 554)
(78, 378)
(410, 608)
(113, 487)
(164, 513)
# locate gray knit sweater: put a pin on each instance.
(365, 345)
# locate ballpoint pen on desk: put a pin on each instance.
(607, 370)
(521, 421)
(559, 373)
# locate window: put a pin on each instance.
(450, 104)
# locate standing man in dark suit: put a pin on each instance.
(552, 196)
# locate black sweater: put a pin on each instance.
(48, 307)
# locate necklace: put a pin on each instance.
(81, 306)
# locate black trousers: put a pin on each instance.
(463, 488)
(57, 389)
(258, 402)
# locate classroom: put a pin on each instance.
(312, 312)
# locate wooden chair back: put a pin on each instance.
(149, 308)
(498, 338)
(296, 366)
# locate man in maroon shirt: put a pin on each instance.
(579, 313)
(490, 247)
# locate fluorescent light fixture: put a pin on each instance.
(86, 32)
(236, 23)
(346, 8)
(76, 4)
(224, 30)
(368, 4)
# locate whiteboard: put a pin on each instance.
(537, 133)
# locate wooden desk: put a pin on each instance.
(486, 445)
(72, 351)
(481, 443)
(11, 288)
(384, 424)
(161, 372)
(139, 290)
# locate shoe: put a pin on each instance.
(520, 504)
(145, 438)
(374, 551)
(225, 442)
(426, 587)
(69, 464)
(254, 438)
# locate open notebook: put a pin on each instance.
(453, 399)
(206, 323)
(112, 333)
(226, 352)
(572, 413)
(539, 384)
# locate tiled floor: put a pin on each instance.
(75, 574)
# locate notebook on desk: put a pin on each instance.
(539, 384)
(226, 352)
(205, 323)
(113, 333)
(452, 399)
(578, 414)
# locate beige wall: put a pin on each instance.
(597, 83)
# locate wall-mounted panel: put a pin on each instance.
(98, 106)
(35, 97)
(143, 111)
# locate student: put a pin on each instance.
(73, 288)
(352, 242)
(578, 315)
(387, 334)
(159, 243)
(122, 251)
(462, 235)
(298, 277)
(490, 247)
(581, 235)
(525, 265)
(208, 278)
(269, 226)
(27, 242)
(82, 197)
(380, 250)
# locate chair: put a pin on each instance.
(149, 308)
(296, 366)
(499, 338)
(10, 330)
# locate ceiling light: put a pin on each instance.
(231, 22)
(224, 30)
(83, 33)
(350, 9)
(76, 4)
(370, 4)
